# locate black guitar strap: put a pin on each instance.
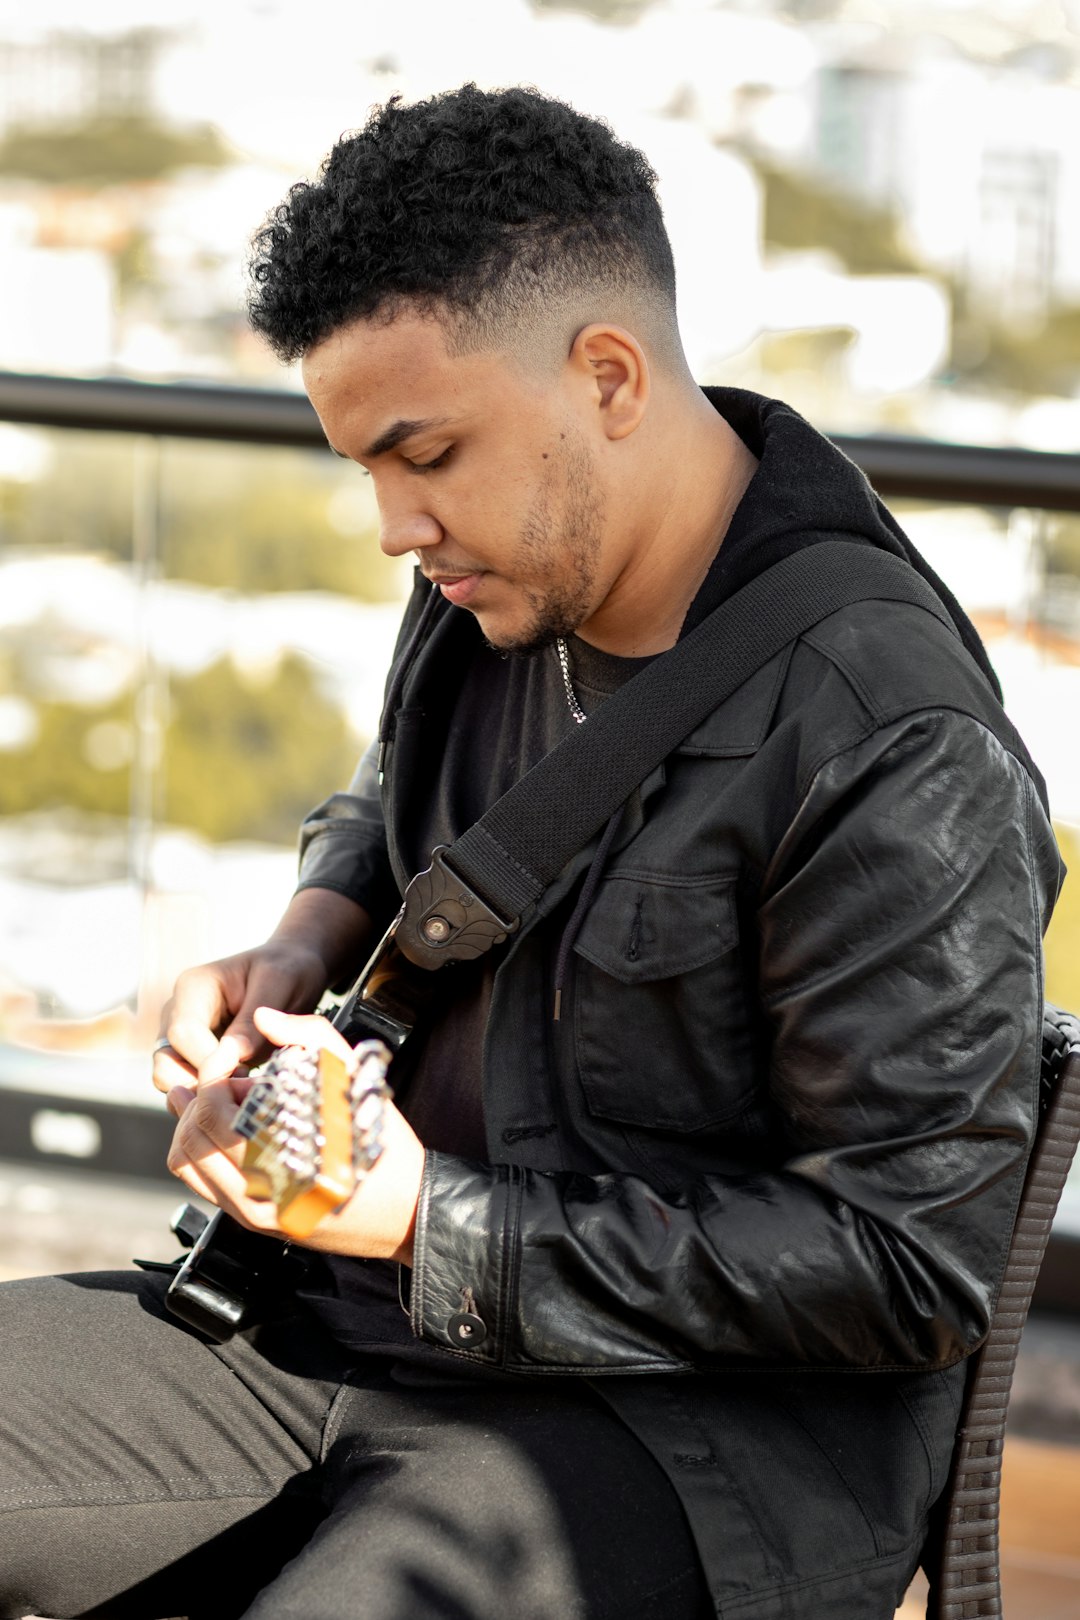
(478, 887)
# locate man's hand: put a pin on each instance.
(209, 1019)
(378, 1220)
(208, 1022)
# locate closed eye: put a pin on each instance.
(430, 466)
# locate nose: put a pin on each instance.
(405, 524)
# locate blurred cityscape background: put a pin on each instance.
(875, 208)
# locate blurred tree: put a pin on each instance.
(1062, 554)
(811, 349)
(244, 756)
(134, 265)
(81, 502)
(108, 151)
(51, 771)
(1037, 358)
(271, 520)
(802, 213)
(236, 517)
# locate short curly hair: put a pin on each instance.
(488, 206)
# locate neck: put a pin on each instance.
(695, 470)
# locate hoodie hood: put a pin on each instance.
(805, 490)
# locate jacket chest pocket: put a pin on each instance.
(660, 1009)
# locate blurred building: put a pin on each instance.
(67, 78)
(981, 161)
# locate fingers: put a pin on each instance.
(301, 1029)
(191, 1148)
(192, 1045)
(209, 1029)
(222, 1061)
(202, 1005)
(275, 976)
(207, 1180)
(379, 1219)
(205, 1152)
(169, 1069)
(205, 1114)
(198, 1008)
(177, 1101)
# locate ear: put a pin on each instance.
(612, 363)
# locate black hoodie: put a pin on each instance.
(804, 491)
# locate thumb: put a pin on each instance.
(299, 1029)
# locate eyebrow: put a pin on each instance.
(402, 429)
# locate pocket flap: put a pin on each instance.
(640, 927)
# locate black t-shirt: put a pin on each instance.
(510, 713)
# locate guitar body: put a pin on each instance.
(232, 1279)
(313, 1129)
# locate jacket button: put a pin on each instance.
(466, 1329)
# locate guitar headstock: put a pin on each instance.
(313, 1127)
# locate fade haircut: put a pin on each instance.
(503, 211)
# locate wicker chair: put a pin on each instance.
(962, 1558)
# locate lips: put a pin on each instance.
(457, 588)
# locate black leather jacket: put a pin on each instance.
(785, 1112)
(783, 1120)
(784, 1115)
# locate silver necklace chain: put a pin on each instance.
(564, 664)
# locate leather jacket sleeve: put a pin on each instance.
(899, 973)
(343, 844)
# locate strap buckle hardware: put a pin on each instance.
(444, 920)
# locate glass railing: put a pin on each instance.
(193, 640)
(195, 623)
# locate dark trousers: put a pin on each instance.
(144, 1473)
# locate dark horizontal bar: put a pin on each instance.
(921, 469)
(178, 410)
(978, 475)
(134, 1137)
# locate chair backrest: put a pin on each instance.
(965, 1577)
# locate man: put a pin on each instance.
(718, 1154)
